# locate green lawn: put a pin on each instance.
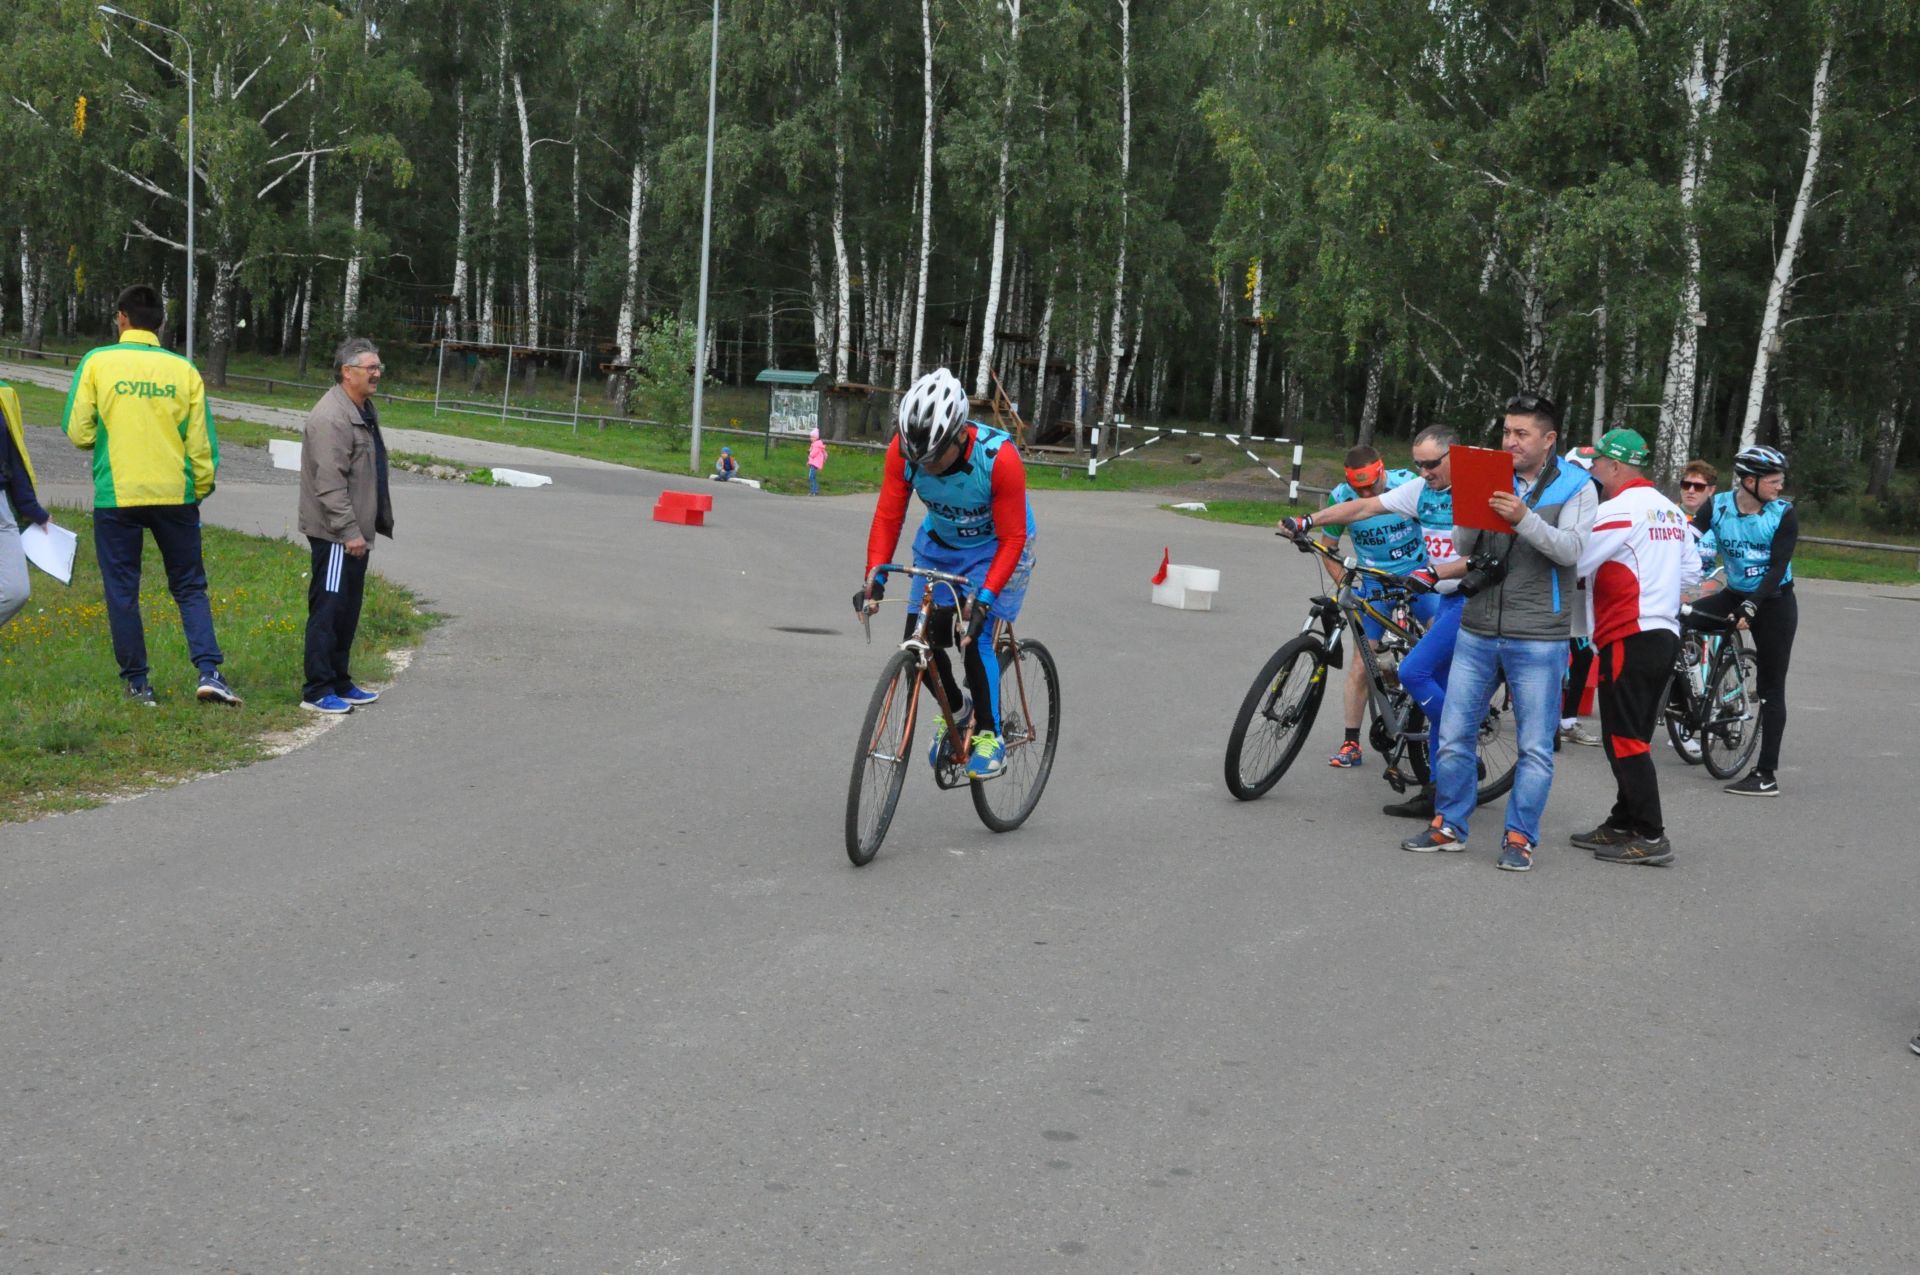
(68, 738)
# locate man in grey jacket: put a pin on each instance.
(1521, 595)
(344, 503)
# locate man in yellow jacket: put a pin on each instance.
(142, 411)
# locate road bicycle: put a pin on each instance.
(1029, 722)
(1713, 695)
(1279, 709)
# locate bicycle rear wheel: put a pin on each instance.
(1029, 730)
(1275, 717)
(880, 762)
(1679, 717)
(1499, 746)
(1731, 731)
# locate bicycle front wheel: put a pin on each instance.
(1275, 717)
(1680, 717)
(1029, 730)
(1731, 731)
(880, 763)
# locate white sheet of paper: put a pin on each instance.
(50, 549)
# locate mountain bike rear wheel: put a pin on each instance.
(1275, 717)
(880, 762)
(1499, 745)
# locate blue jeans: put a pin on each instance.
(1424, 671)
(119, 536)
(1533, 670)
(813, 481)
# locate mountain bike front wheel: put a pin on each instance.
(1730, 733)
(880, 762)
(1275, 717)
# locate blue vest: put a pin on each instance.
(1387, 542)
(960, 502)
(1745, 541)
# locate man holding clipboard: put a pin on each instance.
(1521, 520)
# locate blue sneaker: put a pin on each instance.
(357, 697)
(938, 753)
(214, 689)
(1516, 856)
(327, 704)
(989, 760)
(1438, 835)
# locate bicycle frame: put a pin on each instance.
(1346, 612)
(959, 734)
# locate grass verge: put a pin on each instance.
(68, 738)
(1812, 562)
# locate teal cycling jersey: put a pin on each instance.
(1745, 541)
(1386, 542)
(960, 503)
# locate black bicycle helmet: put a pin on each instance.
(1759, 462)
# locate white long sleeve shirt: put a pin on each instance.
(1639, 558)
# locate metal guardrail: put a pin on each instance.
(1865, 544)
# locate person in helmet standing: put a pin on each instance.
(978, 524)
(1755, 533)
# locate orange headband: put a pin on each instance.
(1370, 475)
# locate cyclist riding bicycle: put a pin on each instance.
(978, 524)
(1755, 533)
(1383, 538)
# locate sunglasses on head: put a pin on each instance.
(1695, 485)
(1533, 405)
(1430, 465)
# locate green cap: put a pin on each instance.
(1625, 446)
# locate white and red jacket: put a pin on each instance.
(1640, 556)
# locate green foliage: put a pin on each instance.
(662, 374)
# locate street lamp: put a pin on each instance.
(192, 270)
(706, 236)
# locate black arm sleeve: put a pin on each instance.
(19, 488)
(1703, 518)
(1779, 555)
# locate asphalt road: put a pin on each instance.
(553, 961)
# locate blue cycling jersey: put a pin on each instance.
(960, 502)
(1385, 542)
(1745, 541)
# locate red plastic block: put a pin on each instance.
(679, 514)
(699, 500)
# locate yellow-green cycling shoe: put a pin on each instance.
(989, 760)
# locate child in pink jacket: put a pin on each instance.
(816, 461)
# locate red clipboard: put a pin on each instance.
(1478, 472)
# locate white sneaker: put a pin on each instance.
(1689, 748)
(1578, 734)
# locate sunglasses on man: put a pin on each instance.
(1430, 465)
(1694, 485)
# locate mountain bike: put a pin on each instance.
(1713, 696)
(1280, 708)
(1029, 722)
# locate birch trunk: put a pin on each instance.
(306, 290)
(574, 290)
(526, 184)
(1370, 404)
(1678, 397)
(1886, 439)
(926, 180)
(220, 321)
(990, 329)
(1216, 406)
(842, 285)
(463, 211)
(817, 295)
(1082, 357)
(1770, 329)
(1251, 402)
(1629, 377)
(1046, 355)
(1133, 358)
(350, 296)
(1116, 332)
(622, 383)
(488, 334)
(1603, 370)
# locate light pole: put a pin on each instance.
(706, 237)
(193, 291)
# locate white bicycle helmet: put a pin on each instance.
(933, 409)
(1759, 462)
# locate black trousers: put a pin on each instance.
(1773, 629)
(1579, 662)
(334, 590)
(1633, 673)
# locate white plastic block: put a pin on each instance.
(285, 452)
(518, 478)
(1187, 588)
